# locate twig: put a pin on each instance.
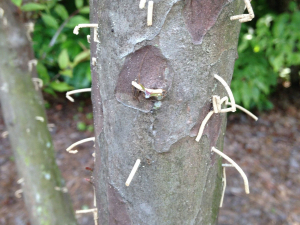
(133, 171)
(69, 149)
(239, 169)
(53, 40)
(76, 91)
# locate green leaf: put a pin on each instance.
(85, 55)
(60, 86)
(33, 7)
(85, 10)
(81, 126)
(78, 3)
(280, 24)
(63, 59)
(49, 91)
(49, 20)
(277, 62)
(90, 128)
(75, 20)
(43, 73)
(61, 11)
(17, 2)
(262, 86)
(66, 72)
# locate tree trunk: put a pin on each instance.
(23, 110)
(179, 180)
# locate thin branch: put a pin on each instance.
(53, 40)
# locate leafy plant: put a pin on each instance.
(265, 54)
(63, 58)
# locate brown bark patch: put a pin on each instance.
(148, 67)
(117, 208)
(200, 16)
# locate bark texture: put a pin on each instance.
(179, 180)
(30, 139)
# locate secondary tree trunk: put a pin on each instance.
(23, 110)
(179, 180)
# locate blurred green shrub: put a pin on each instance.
(266, 53)
(63, 57)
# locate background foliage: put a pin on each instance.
(63, 57)
(268, 48)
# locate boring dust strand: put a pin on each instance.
(238, 168)
(133, 171)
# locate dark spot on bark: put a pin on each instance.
(200, 16)
(112, 30)
(117, 208)
(148, 67)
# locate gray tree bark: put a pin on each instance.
(30, 139)
(179, 180)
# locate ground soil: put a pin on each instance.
(267, 150)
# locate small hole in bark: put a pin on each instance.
(112, 30)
